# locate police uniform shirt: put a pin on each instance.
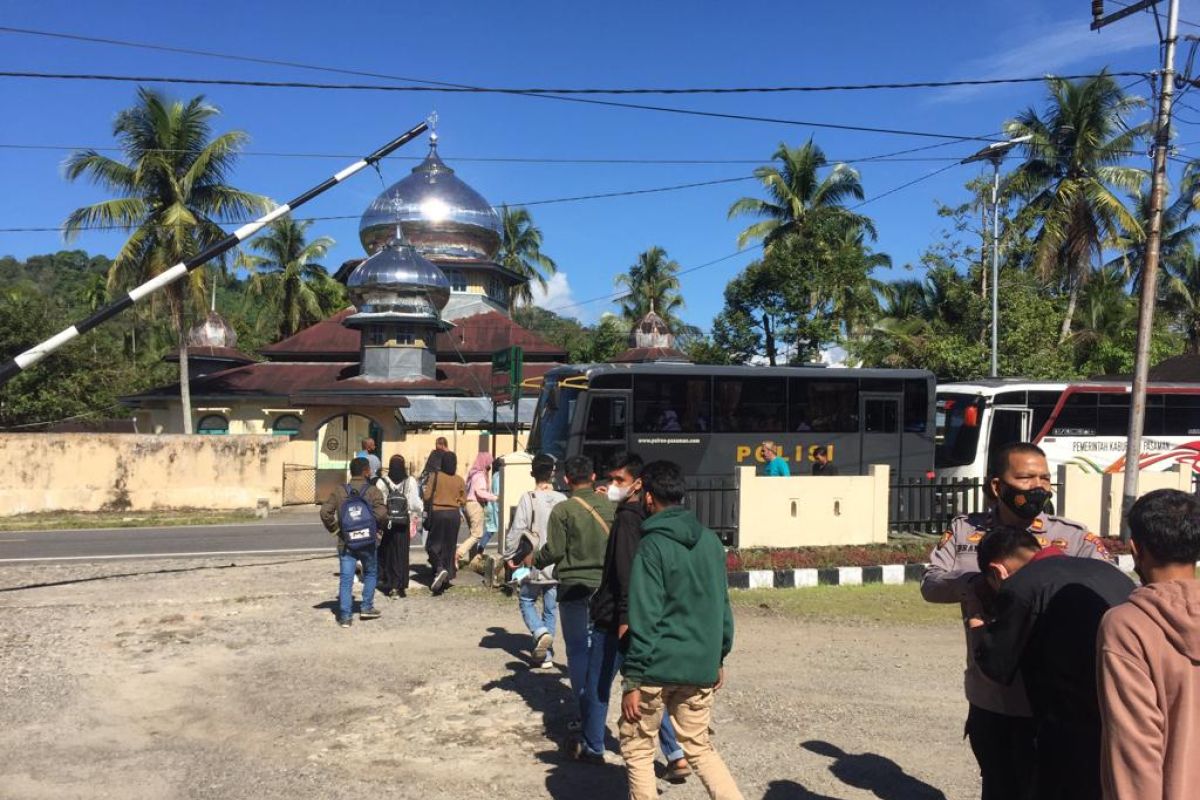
(952, 566)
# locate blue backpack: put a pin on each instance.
(356, 521)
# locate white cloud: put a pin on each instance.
(1048, 49)
(557, 296)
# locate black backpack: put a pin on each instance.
(397, 506)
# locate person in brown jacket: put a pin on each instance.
(445, 495)
(1149, 665)
(360, 484)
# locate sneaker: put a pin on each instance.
(547, 664)
(370, 613)
(542, 647)
(345, 622)
(439, 582)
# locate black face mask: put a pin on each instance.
(1025, 503)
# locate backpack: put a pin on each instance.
(356, 521)
(397, 506)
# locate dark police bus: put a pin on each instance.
(712, 419)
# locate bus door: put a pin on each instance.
(881, 431)
(1009, 424)
(606, 426)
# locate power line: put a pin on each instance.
(448, 86)
(387, 88)
(373, 87)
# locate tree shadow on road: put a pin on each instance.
(881, 776)
(173, 570)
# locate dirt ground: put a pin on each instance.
(198, 679)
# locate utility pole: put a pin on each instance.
(1158, 181)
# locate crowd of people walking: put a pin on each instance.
(1079, 684)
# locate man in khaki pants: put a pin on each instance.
(677, 639)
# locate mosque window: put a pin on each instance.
(404, 334)
(286, 425)
(213, 425)
(375, 335)
(495, 290)
(458, 281)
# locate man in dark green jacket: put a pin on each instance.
(680, 630)
(576, 538)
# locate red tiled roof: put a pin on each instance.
(335, 379)
(216, 353)
(476, 336)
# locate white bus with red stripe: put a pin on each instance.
(1082, 423)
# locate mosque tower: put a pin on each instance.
(450, 224)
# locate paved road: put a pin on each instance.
(287, 533)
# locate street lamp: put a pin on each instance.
(995, 153)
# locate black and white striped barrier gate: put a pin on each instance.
(37, 353)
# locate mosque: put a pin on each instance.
(411, 359)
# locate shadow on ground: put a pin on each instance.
(881, 776)
(199, 568)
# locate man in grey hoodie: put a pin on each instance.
(1149, 664)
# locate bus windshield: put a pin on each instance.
(552, 425)
(958, 422)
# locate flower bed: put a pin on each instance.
(869, 555)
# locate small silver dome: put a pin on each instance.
(214, 331)
(651, 331)
(398, 280)
(439, 214)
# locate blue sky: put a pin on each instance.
(555, 44)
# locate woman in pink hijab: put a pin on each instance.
(479, 493)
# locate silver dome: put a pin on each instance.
(398, 280)
(214, 331)
(439, 214)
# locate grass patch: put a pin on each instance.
(117, 519)
(872, 603)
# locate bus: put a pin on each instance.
(1080, 423)
(712, 419)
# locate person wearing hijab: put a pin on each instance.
(479, 494)
(393, 548)
(444, 496)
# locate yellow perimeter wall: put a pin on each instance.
(1094, 499)
(807, 511)
(131, 472)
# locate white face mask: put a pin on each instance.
(617, 493)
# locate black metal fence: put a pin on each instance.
(715, 503)
(299, 485)
(921, 505)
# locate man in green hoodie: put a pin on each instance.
(576, 538)
(680, 630)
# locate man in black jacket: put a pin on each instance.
(610, 609)
(1045, 610)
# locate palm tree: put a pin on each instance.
(1181, 294)
(796, 190)
(521, 252)
(288, 274)
(1175, 231)
(170, 193)
(653, 286)
(1072, 178)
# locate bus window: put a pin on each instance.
(671, 404)
(958, 430)
(916, 406)
(750, 405)
(1078, 416)
(1112, 417)
(1010, 399)
(1182, 414)
(1042, 405)
(606, 418)
(823, 405)
(552, 426)
(879, 415)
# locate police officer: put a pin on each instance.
(999, 723)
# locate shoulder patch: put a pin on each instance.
(946, 537)
(1037, 524)
(975, 538)
(1061, 544)
(1042, 540)
(1069, 522)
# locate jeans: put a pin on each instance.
(604, 661)
(347, 560)
(577, 634)
(547, 621)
